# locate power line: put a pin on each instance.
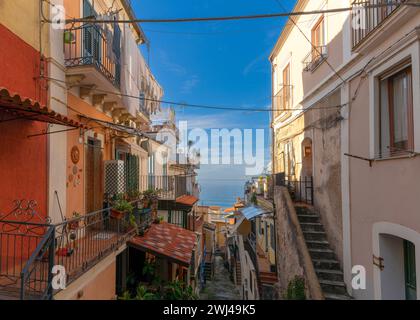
(312, 45)
(200, 106)
(221, 32)
(231, 18)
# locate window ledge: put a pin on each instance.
(397, 157)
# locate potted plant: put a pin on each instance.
(158, 220)
(134, 195)
(150, 197)
(74, 222)
(120, 208)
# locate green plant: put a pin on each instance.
(142, 293)
(133, 222)
(158, 220)
(296, 289)
(148, 268)
(254, 198)
(134, 194)
(125, 296)
(151, 194)
(177, 290)
(123, 206)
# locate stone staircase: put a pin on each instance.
(238, 273)
(208, 266)
(326, 266)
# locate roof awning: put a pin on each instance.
(252, 212)
(25, 108)
(167, 241)
(187, 200)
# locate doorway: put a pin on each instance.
(94, 160)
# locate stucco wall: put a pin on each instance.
(96, 284)
(292, 254)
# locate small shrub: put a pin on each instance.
(296, 289)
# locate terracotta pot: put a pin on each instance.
(73, 225)
(117, 214)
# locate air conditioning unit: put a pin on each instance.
(114, 177)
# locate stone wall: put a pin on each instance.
(292, 255)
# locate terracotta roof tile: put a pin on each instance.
(177, 244)
(16, 105)
(187, 200)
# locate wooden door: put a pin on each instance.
(94, 177)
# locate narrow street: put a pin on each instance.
(221, 287)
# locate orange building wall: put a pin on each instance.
(23, 160)
(76, 182)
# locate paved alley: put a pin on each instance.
(221, 287)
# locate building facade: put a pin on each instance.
(344, 112)
(75, 119)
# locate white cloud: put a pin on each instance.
(189, 84)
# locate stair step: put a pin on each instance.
(305, 210)
(315, 235)
(332, 296)
(308, 218)
(314, 244)
(312, 226)
(325, 254)
(327, 274)
(335, 287)
(329, 264)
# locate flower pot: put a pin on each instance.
(117, 214)
(73, 225)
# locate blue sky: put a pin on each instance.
(215, 63)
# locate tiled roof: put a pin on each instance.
(167, 240)
(187, 200)
(25, 107)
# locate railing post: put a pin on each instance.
(51, 255)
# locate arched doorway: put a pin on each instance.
(307, 165)
(396, 262)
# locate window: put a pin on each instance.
(286, 87)
(317, 39)
(396, 114)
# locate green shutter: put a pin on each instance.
(410, 271)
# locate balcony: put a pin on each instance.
(314, 58)
(30, 249)
(168, 187)
(89, 51)
(370, 18)
(282, 101)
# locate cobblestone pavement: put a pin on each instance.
(221, 287)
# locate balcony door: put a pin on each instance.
(91, 36)
(317, 39)
(94, 175)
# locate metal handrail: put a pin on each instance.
(41, 248)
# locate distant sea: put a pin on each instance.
(221, 192)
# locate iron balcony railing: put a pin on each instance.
(367, 19)
(29, 251)
(314, 58)
(168, 186)
(282, 101)
(90, 45)
(25, 256)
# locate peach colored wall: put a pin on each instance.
(76, 191)
(102, 287)
(388, 190)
